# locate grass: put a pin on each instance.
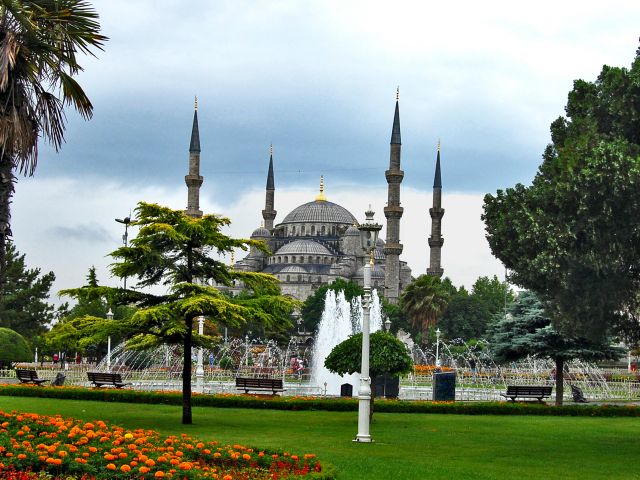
(407, 446)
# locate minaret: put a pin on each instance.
(436, 212)
(393, 211)
(193, 179)
(269, 214)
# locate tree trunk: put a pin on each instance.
(186, 375)
(559, 381)
(6, 192)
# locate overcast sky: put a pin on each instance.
(318, 80)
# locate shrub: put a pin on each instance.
(13, 347)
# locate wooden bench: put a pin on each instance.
(260, 384)
(102, 378)
(29, 376)
(527, 391)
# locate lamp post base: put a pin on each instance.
(363, 439)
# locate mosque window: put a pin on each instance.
(319, 279)
(301, 259)
(333, 230)
(286, 259)
(288, 278)
(317, 259)
(293, 259)
(299, 278)
(293, 230)
(313, 229)
(323, 230)
(302, 230)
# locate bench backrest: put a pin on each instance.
(259, 382)
(104, 377)
(24, 374)
(529, 390)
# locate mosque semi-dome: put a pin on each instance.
(303, 247)
(320, 211)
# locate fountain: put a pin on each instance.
(339, 320)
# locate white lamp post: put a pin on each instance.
(437, 348)
(109, 317)
(368, 237)
(200, 365)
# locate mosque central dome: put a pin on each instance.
(320, 211)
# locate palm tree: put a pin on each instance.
(39, 45)
(424, 300)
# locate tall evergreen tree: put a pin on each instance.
(24, 305)
(571, 236)
(40, 43)
(175, 250)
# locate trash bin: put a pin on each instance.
(444, 386)
(346, 390)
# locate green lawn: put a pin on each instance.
(407, 446)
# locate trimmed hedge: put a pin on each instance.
(314, 403)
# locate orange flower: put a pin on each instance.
(125, 468)
(159, 474)
(144, 469)
(21, 456)
(111, 466)
(227, 477)
(185, 466)
(246, 456)
(150, 463)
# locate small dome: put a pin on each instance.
(380, 242)
(376, 272)
(261, 232)
(303, 247)
(320, 211)
(352, 231)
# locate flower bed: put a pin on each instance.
(32, 445)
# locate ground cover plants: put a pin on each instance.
(407, 446)
(64, 447)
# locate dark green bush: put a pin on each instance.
(13, 347)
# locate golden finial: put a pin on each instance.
(271, 150)
(438, 144)
(233, 258)
(262, 224)
(321, 197)
(398, 93)
(195, 103)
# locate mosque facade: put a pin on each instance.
(319, 241)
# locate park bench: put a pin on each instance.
(102, 378)
(29, 376)
(527, 391)
(258, 384)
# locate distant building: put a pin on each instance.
(319, 241)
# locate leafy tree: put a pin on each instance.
(314, 305)
(424, 300)
(174, 250)
(467, 316)
(571, 235)
(496, 295)
(13, 347)
(23, 296)
(387, 356)
(40, 41)
(528, 331)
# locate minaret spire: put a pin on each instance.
(393, 212)
(269, 213)
(437, 212)
(193, 178)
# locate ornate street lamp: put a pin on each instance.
(109, 317)
(368, 237)
(125, 238)
(200, 363)
(437, 348)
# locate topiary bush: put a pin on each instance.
(13, 347)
